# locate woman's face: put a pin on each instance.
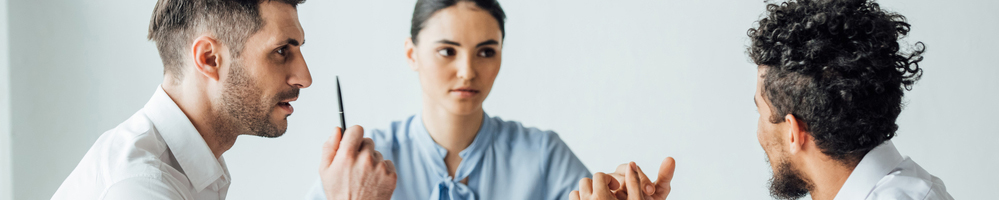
(457, 58)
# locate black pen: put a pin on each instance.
(339, 97)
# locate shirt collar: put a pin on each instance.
(196, 160)
(875, 165)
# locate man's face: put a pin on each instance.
(787, 181)
(262, 81)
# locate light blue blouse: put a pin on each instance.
(504, 161)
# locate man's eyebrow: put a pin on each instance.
(487, 42)
(293, 42)
(449, 42)
(754, 101)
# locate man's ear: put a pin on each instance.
(796, 135)
(411, 54)
(207, 55)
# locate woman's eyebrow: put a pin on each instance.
(445, 41)
(487, 42)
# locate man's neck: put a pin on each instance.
(827, 176)
(197, 106)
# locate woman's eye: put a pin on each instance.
(446, 52)
(487, 53)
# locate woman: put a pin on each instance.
(453, 149)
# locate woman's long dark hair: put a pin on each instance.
(426, 8)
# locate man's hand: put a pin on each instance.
(350, 168)
(616, 185)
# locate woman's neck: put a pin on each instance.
(451, 131)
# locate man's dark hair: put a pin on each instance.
(426, 9)
(836, 65)
(175, 23)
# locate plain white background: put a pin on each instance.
(618, 80)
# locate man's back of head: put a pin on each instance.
(831, 79)
(838, 66)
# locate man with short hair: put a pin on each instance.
(830, 81)
(231, 67)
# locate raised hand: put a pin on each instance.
(350, 168)
(600, 187)
(629, 174)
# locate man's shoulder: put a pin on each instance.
(132, 149)
(138, 186)
(910, 181)
(133, 143)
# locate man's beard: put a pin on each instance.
(787, 182)
(240, 109)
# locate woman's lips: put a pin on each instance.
(465, 93)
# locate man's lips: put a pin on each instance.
(286, 105)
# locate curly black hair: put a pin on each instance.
(837, 66)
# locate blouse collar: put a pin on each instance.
(471, 158)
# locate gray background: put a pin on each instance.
(618, 80)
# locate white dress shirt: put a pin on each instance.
(884, 174)
(155, 154)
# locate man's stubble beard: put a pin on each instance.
(240, 110)
(787, 182)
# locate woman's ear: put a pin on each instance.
(206, 52)
(411, 54)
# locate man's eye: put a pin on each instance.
(282, 50)
(487, 53)
(446, 52)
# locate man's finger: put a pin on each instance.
(329, 149)
(632, 179)
(378, 156)
(367, 144)
(389, 167)
(574, 195)
(351, 142)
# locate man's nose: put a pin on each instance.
(300, 76)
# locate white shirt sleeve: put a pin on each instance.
(316, 192)
(141, 188)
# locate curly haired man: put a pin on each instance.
(830, 80)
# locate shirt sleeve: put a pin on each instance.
(316, 192)
(937, 190)
(562, 167)
(141, 188)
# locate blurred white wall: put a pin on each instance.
(618, 80)
(6, 191)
